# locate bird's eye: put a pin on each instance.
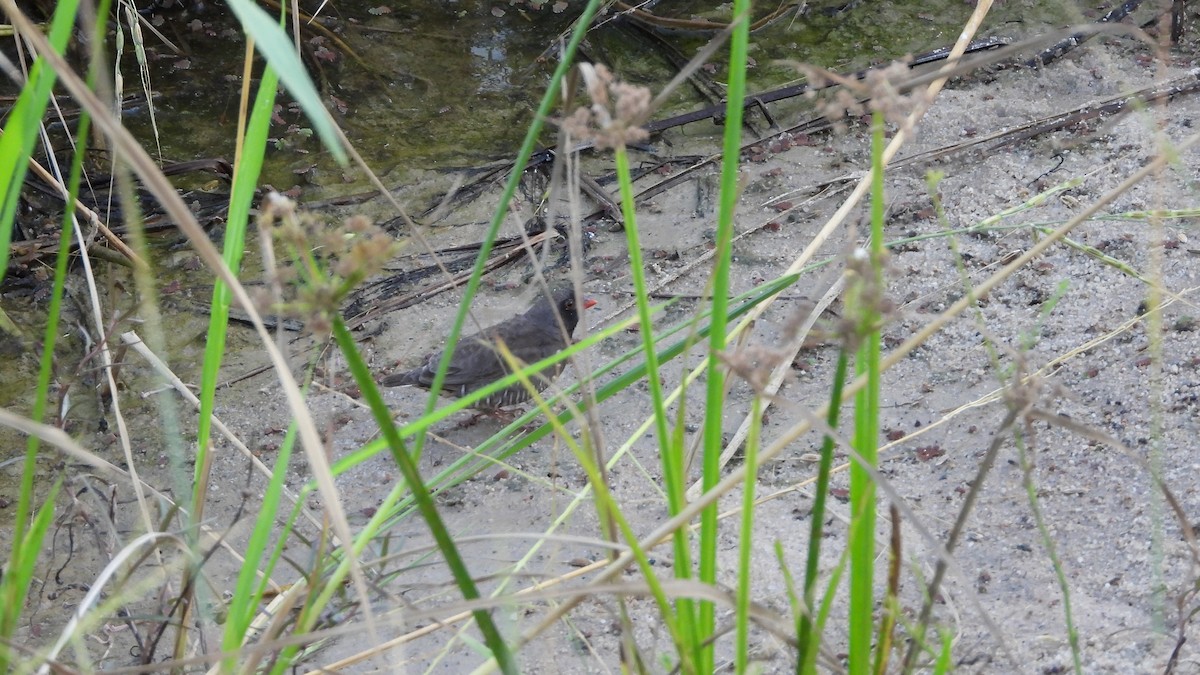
(569, 305)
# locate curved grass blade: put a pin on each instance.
(21, 130)
(272, 42)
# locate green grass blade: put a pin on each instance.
(24, 120)
(510, 188)
(866, 426)
(18, 573)
(248, 591)
(245, 181)
(809, 639)
(674, 480)
(715, 396)
(272, 42)
(945, 660)
(247, 169)
(421, 496)
(13, 591)
(609, 510)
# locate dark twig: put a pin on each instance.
(1062, 47)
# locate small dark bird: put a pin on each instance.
(476, 362)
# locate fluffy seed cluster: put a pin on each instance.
(617, 112)
(318, 263)
(879, 90)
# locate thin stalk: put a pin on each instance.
(715, 394)
(249, 588)
(1158, 427)
(809, 639)
(672, 463)
(866, 428)
(23, 124)
(891, 603)
(742, 649)
(247, 168)
(1039, 519)
(27, 541)
(408, 467)
(16, 144)
(608, 508)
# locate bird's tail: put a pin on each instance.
(406, 378)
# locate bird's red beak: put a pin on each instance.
(588, 303)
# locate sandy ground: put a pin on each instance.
(1069, 320)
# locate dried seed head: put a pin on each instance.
(880, 89)
(617, 112)
(320, 263)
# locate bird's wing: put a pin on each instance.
(530, 343)
(474, 364)
(477, 363)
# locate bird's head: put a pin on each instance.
(561, 302)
